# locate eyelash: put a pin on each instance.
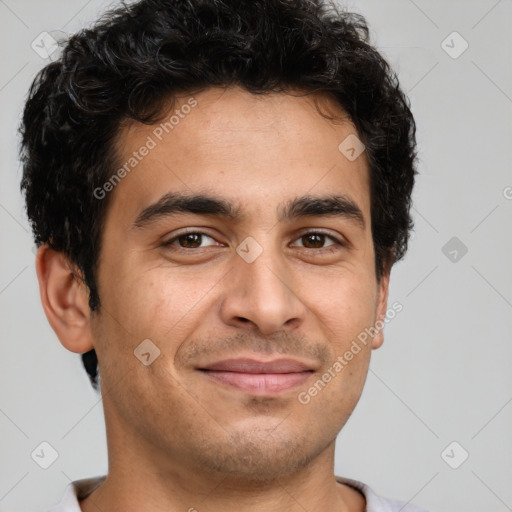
(329, 249)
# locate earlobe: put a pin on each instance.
(65, 299)
(382, 304)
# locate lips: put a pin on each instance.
(259, 377)
(253, 366)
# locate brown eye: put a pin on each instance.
(313, 241)
(192, 240)
(316, 240)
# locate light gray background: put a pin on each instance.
(444, 371)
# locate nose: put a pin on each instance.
(262, 295)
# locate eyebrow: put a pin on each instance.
(171, 204)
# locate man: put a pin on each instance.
(218, 191)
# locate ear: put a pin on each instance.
(65, 299)
(381, 310)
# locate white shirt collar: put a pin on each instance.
(80, 489)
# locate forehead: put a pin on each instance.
(258, 151)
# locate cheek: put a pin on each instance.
(161, 304)
(345, 306)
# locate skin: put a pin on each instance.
(178, 440)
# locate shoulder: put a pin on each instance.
(375, 503)
(76, 491)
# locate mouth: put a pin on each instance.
(258, 377)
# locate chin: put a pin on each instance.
(258, 456)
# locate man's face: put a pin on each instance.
(269, 283)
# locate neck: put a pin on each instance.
(178, 486)
(144, 476)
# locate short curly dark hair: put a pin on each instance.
(139, 56)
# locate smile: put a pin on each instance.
(259, 378)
